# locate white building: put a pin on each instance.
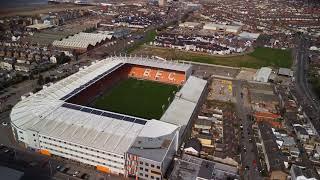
(112, 142)
(191, 25)
(222, 27)
(263, 74)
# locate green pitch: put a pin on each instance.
(137, 98)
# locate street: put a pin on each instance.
(248, 152)
(309, 100)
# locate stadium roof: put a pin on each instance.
(159, 63)
(47, 112)
(181, 108)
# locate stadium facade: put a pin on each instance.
(54, 123)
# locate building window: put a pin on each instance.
(34, 140)
(141, 162)
(146, 170)
(141, 174)
(34, 135)
(21, 132)
(158, 167)
(22, 138)
(157, 178)
(141, 168)
(147, 164)
(152, 165)
(152, 177)
(146, 175)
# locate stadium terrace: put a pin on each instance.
(59, 120)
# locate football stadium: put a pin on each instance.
(122, 115)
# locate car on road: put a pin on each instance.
(6, 150)
(246, 168)
(75, 173)
(58, 167)
(4, 123)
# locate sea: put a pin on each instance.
(21, 3)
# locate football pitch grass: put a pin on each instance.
(138, 98)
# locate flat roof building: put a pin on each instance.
(263, 74)
(222, 27)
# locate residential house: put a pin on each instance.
(193, 147)
(302, 173)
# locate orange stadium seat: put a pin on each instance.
(154, 74)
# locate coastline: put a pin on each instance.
(35, 9)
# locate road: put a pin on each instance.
(306, 96)
(248, 152)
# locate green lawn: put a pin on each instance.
(257, 59)
(273, 57)
(137, 98)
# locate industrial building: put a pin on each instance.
(263, 74)
(191, 25)
(222, 28)
(112, 142)
(82, 42)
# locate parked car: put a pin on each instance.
(75, 173)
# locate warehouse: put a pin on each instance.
(263, 74)
(82, 42)
(222, 28)
(191, 25)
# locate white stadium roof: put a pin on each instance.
(47, 113)
(181, 108)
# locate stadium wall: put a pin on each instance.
(46, 145)
(103, 161)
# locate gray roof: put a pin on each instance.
(288, 141)
(276, 159)
(206, 170)
(190, 168)
(155, 154)
(285, 72)
(302, 171)
(181, 108)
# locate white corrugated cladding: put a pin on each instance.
(82, 40)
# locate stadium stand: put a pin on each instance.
(157, 74)
(52, 122)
